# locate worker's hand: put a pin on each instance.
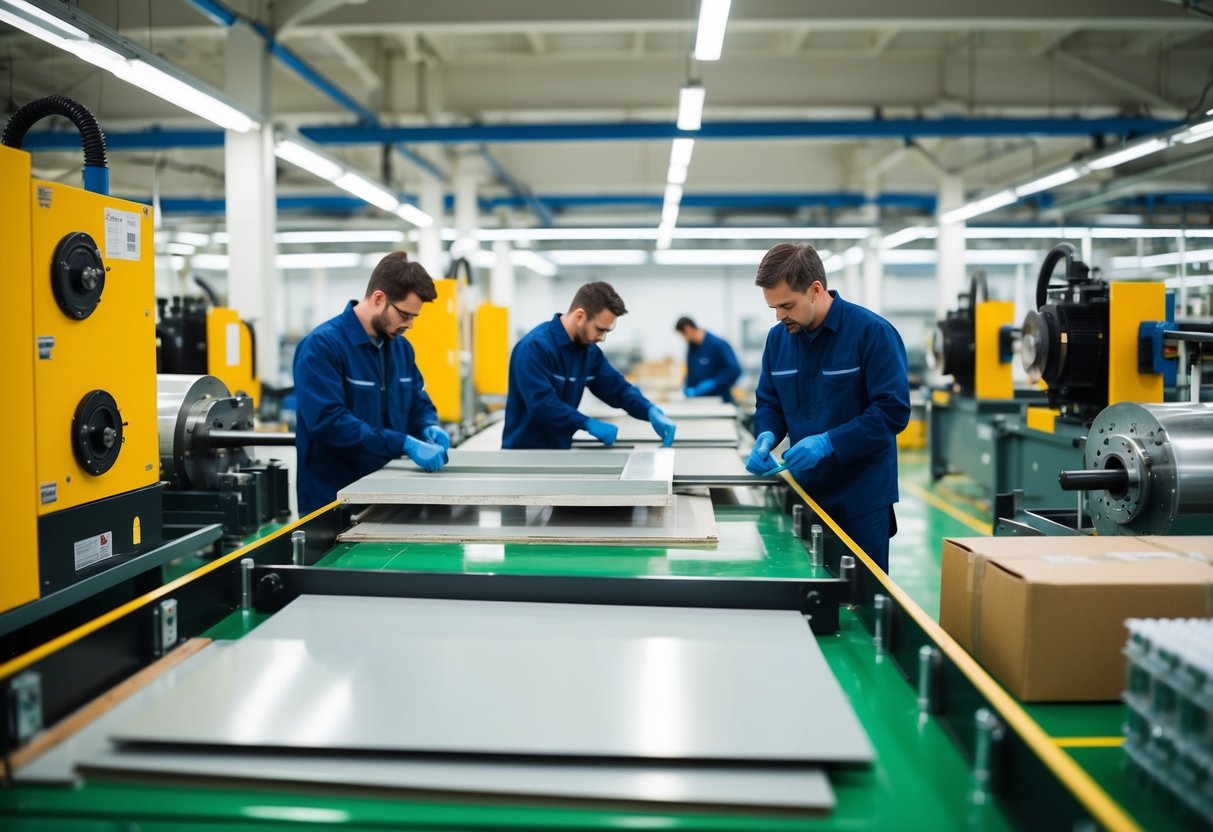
(809, 451)
(604, 432)
(700, 389)
(760, 458)
(429, 456)
(662, 424)
(435, 435)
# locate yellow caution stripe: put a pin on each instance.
(1088, 742)
(1103, 808)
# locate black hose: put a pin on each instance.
(208, 290)
(1075, 270)
(57, 105)
(467, 269)
(978, 280)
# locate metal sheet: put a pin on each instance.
(492, 678)
(501, 477)
(697, 433)
(785, 788)
(688, 521)
(715, 467)
(685, 409)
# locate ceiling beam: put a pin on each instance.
(881, 41)
(1111, 79)
(352, 60)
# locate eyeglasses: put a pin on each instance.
(404, 316)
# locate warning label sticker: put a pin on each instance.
(94, 550)
(121, 235)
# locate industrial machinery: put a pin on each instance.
(197, 335)
(81, 487)
(204, 431)
(974, 344)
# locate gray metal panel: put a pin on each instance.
(785, 788)
(519, 679)
(552, 478)
(689, 521)
(705, 433)
(720, 467)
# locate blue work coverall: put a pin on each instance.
(548, 374)
(357, 402)
(713, 359)
(847, 379)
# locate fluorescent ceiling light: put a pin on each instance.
(209, 262)
(709, 257)
(386, 235)
(41, 19)
(818, 232)
(907, 235)
(192, 238)
(180, 248)
(1196, 133)
(534, 261)
(690, 106)
(319, 260)
(184, 95)
(680, 152)
(709, 37)
(979, 207)
(1171, 258)
(1127, 154)
(367, 190)
(598, 257)
(676, 175)
(1190, 281)
(541, 234)
(413, 214)
(1050, 180)
(665, 233)
(1130, 233)
(308, 159)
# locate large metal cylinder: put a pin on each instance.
(189, 408)
(1166, 453)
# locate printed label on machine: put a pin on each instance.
(121, 235)
(233, 344)
(49, 492)
(94, 550)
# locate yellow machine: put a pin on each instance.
(230, 356)
(491, 351)
(436, 338)
(80, 490)
(195, 336)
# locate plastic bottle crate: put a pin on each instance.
(1169, 693)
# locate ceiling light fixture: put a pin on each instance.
(690, 106)
(709, 37)
(680, 152)
(979, 207)
(1127, 154)
(1050, 180)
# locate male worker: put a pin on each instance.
(712, 368)
(834, 380)
(553, 365)
(361, 398)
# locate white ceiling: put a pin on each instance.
(461, 62)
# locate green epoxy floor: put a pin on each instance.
(919, 781)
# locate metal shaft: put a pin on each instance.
(240, 438)
(1100, 480)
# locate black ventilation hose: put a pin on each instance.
(466, 266)
(978, 280)
(57, 105)
(1075, 270)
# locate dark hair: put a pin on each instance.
(596, 296)
(398, 277)
(799, 265)
(684, 323)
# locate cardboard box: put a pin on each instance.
(1045, 615)
(1192, 545)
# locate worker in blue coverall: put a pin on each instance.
(553, 365)
(834, 380)
(712, 368)
(361, 398)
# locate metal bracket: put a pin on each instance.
(987, 744)
(25, 706)
(164, 629)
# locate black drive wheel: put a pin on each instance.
(97, 432)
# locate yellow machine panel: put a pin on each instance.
(491, 350)
(1043, 419)
(113, 349)
(992, 376)
(229, 352)
(18, 555)
(435, 337)
(1128, 305)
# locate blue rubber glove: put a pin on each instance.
(435, 435)
(760, 458)
(809, 451)
(662, 424)
(700, 389)
(429, 456)
(604, 432)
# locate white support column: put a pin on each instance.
(950, 278)
(873, 275)
(501, 280)
(468, 169)
(318, 310)
(251, 209)
(429, 242)
(852, 283)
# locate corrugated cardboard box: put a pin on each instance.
(1046, 615)
(1192, 545)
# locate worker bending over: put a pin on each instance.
(834, 381)
(553, 365)
(712, 368)
(361, 398)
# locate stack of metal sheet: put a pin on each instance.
(631, 704)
